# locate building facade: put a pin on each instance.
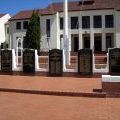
(4, 28)
(93, 24)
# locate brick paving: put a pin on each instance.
(20, 106)
(14, 106)
(68, 84)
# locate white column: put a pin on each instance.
(80, 32)
(80, 41)
(117, 34)
(91, 22)
(91, 33)
(14, 66)
(10, 42)
(117, 40)
(103, 22)
(114, 39)
(36, 61)
(103, 34)
(58, 32)
(66, 38)
(91, 40)
(103, 42)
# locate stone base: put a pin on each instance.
(111, 83)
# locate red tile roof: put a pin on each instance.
(1, 15)
(73, 6)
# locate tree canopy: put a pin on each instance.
(32, 38)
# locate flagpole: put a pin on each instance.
(66, 35)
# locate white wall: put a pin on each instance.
(3, 20)
(55, 29)
(54, 34)
(118, 29)
(14, 33)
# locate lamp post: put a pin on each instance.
(66, 48)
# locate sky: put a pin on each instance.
(14, 6)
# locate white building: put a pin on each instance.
(92, 24)
(3, 27)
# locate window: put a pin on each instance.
(109, 21)
(74, 23)
(7, 30)
(48, 27)
(25, 24)
(19, 45)
(18, 25)
(97, 21)
(61, 23)
(109, 40)
(85, 22)
(61, 41)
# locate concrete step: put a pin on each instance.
(100, 59)
(99, 66)
(55, 93)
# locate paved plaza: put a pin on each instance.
(20, 106)
(15, 106)
(70, 84)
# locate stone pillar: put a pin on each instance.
(14, 66)
(36, 61)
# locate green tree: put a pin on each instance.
(32, 38)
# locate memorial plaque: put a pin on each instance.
(85, 62)
(29, 61)
(55, 62)
(6, 60)
(114, 61)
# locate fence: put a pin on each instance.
(83, 62)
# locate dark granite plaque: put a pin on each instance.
(55, 62)
(6, 60)
(114, 61)
(29, 60)
(85, 62)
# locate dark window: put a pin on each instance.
(7, 30)
(109, 21)
(85, 21)
(97, 21)
(87, 42)
(74, 23)
(48, 27)
(61, 23)
(18, 25)
(61, 41)
(25, 24)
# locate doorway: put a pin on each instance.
(86, 41)
(19, 50)
(19, 46)
(75, 43)
(97, 43)
(109, 40)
